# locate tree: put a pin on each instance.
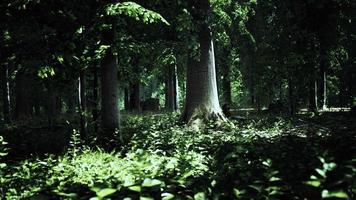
(110, 84)
(201, 94)
(109, 63)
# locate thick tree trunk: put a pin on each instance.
(5, 87)
(202, 95)
(171, 89)
(109, 84)
(82, 106)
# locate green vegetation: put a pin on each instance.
(178, 99)
(264, 158)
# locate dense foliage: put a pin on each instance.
(265, 158)
(178, 99)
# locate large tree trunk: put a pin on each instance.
(109, 84)
(82, 106)
(5, 87)
(202, 95)
(171, 89)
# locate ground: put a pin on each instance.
(261, 156)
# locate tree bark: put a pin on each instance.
(176, 89)
(5, 87)
(109, 84)
(201, 94)
(126, 99)
(95, 113)
(291, 89)
(135, 102)
(322, 85)
(22, 108)
(313, 92)
(50, 105)
(226, 84)
(82, 106)
(171, 89)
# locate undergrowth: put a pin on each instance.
(266, 158)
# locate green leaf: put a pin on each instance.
(314, 183)
(238, 193)
(106, 192)
(146, 198)
(256, 187)
(3, 154)
(129, 181)
(199, 196)
(321, 172)
(272, 179)
(167, 196)
(45, 72)
(151, 182)
(135, 11)
(334, 194)
(135, 188)
(68, 195)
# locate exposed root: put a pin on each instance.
(198, 119)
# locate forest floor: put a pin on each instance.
(262, 156)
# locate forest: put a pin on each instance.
(178, 99)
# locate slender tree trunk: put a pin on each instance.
(135, 102)
(109, 84)
(171, 93)
(50, 105)
(292, 106)
(127, 99)
(322, 76)
(95, 98)
(37, 108)
(82, 106)
(70, 99)
(22, 109)
(226, 84)
(176, 89)
(313, 92)
(323, 86)
(58, 104)
(5, 87)
(36, 100)
(202, 95)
